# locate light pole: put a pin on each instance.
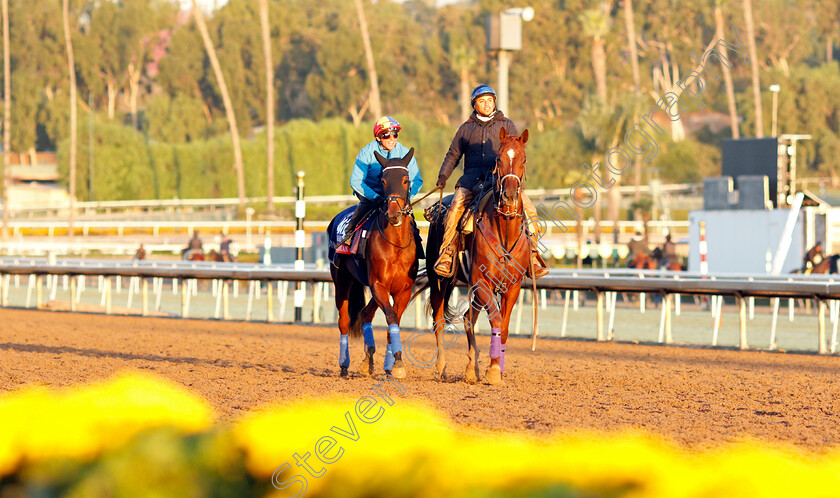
(504, 35)
(775, 89)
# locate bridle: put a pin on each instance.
(405, 209)
(500, 206)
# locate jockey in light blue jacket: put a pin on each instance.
(366, 178)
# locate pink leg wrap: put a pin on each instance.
(495, 343)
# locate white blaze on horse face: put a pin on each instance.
(511, 153)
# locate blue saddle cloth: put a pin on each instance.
(336, 232)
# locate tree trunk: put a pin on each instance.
(727, 74)
(375, 103)
(829, 49)
(748, 21)
(465, 93)
(7, 118)
(630, 28)
(112, 98)
(231, 117)
(133, 91)
(269, 103)
(71, 67)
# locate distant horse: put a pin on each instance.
(390, 267)
(643, 261)
(193, 255)
(827, 265)
(220, 257)
(499, 252)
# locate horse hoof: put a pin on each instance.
(344, 372)
(440, 375)
(493, 375)
(366, 366)
(398, 371)
(469, 375)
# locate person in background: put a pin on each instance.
(669, 252)
(224, 248)
(140, 254)
(637, 246)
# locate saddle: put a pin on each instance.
(358, 243)
(466, 226)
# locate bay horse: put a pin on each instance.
(391, 269)
(827, 265)
(643, 261)
(499, 251)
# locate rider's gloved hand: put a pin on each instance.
(441, 182)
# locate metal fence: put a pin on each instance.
(147, 280)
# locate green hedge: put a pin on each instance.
(127, 165)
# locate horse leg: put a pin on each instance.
(471, 373)
(508, 301)
(366, 316)
(486, 300)
(342, 302)
(382, 295)
(437, 299)
(401, 299)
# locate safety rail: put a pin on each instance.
(604, 283)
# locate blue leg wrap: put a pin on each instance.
(367, 330)
(396, 345)
(344, 353)
(389, 358)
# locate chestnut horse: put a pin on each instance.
(391, 265)
(499, 251)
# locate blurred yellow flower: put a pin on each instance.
(40, 423)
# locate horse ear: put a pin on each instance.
(503, 133)
(379, 158)
(407, 158)
(524, 137)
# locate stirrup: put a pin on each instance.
(448, 273)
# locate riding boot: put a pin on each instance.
(362, 209)
(539, 264)
(444, 266)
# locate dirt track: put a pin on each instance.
(698, 397)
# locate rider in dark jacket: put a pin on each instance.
(477, 140)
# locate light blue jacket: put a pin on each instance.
(366, 178)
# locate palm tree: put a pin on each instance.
(231, 117)
(462, 59)
(630, 28)
(727, 74)
(71, 67)
(269, 102)
(7, 118)
(375, 103)
(748, 21)
(596, 25)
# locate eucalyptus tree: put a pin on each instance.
(754, 63)
(269, 101)
(71, 68)
(231, 115)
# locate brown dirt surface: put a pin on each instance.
(697, 397)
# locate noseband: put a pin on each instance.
(405, 210)
(500, 206)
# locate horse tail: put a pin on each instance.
(355, 304)
(834, 258)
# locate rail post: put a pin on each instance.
(821, 324)
(300, 214)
